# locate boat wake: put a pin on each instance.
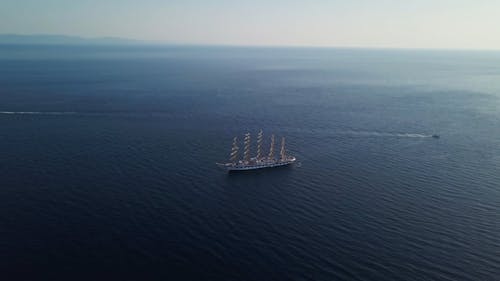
(39, 112)
(385, 134)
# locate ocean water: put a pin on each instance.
(107, 164)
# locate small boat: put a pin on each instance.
(435, 136)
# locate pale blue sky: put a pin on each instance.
(467, 24)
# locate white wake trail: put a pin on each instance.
(385, 134)
(39, 112)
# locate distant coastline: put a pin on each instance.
(53, 39)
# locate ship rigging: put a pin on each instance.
(259, 161)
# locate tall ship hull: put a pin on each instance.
(259, 164)
(259, 161)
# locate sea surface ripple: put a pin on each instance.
(108, 168)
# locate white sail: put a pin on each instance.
(271, 148)
(259, 145)
(260, 161)
(282, 152)
(246, 153)
(234, 150)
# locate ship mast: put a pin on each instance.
(234, 150)
(282, 152)
(259, 145)
(271, 149)
(246, 153)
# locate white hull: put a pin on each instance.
(258, 164)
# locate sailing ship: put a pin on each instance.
(259, 161)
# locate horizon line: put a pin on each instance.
(149, 42)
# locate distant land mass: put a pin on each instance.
(54, 39)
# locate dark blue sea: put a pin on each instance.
(107, 164)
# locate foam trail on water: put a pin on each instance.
(384, 134)
(39, 112)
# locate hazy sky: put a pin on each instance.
(363, 23)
